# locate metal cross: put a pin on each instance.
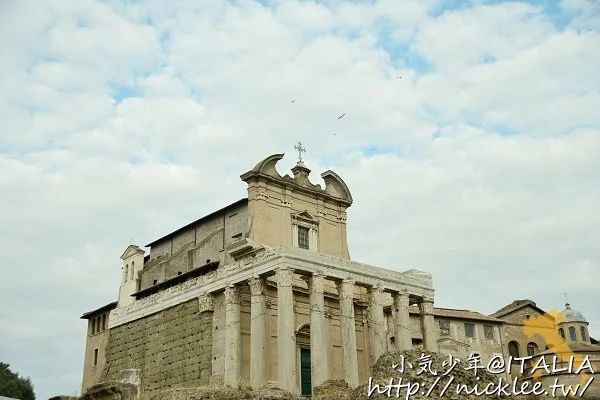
(300, 150)
(566, 299)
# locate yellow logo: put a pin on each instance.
(546, 326)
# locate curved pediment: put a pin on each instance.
(335, 186)
(267, 166)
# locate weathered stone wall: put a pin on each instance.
(93, 373)
(172, 348)
(192, 247)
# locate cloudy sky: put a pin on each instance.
(128, 119)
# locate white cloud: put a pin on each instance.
(129, 121)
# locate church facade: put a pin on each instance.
(263, 292)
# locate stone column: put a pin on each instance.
(314, 245)
(233, 337)
(428, 326)
(402, 328)
(348, 332)
(377, 336)
(318, 331)
(259, 334)
(286, 335)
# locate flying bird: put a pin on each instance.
(398, 77)
(341, 116)
(291, 101)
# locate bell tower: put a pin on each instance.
(133, 263)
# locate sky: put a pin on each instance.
(125, 120)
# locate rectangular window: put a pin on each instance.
(303, 237)
(488, 332)
(445, 327)
(470, 330)
(95, 357)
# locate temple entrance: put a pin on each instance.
(305, 382)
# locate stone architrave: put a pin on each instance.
(348, 332)
(402, 329)
(427, 322)
(286, 335)
(258, 333)
(233, 337)
(318, 330)
(377, 336)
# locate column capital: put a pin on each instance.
(232, 295)
(284, 276)
(315, 282)
(426, 306)
(346, 289)
(257, 286)
(375, 295)
(205, 302)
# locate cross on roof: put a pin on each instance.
(300, 150)
(566, 299)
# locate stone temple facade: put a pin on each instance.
(261, 292)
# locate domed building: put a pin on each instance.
(555, 338)
(575, 327)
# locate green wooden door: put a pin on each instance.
(305, 372)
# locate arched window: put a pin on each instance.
(126, 273)
(93, 325)
(583, 335)
(572, 334)
(532, 349)
(561, 332)
(131, 271)
(513, 349)
(103, 322)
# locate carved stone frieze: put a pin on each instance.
(262, 194)
(205, 302)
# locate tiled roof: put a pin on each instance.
(206, 217)
(459, 314)
(577, 347)
(108, 307)
(515, 305)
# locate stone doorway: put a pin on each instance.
(304, 364)
(305, 381)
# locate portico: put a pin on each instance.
(316, 276)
